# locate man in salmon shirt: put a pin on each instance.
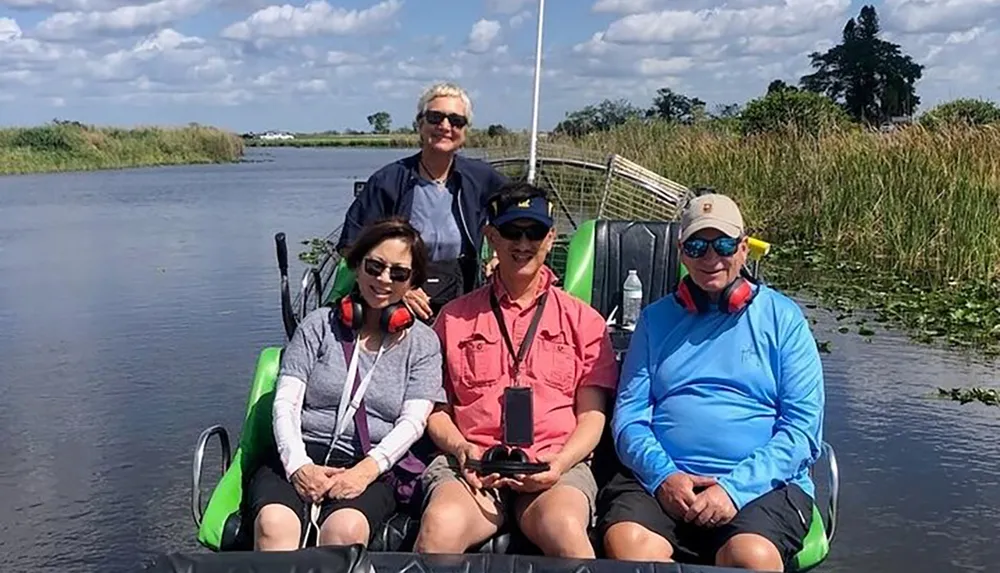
(569, 367)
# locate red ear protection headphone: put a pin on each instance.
(734, 298)
(394, 318)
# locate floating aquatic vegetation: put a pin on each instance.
(987, 396)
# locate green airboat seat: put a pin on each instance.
(600, 253)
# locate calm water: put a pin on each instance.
(133, 305)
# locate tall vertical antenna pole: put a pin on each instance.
(533, 154)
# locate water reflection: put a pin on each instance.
(919, 492)
(134, 303)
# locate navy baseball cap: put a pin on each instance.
(536, 208)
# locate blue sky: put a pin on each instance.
(326, 64)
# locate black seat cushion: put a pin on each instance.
(399, 533)
(340, 559)
(649, 247)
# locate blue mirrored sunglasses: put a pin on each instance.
(723, 246)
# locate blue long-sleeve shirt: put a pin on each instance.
(736, 397)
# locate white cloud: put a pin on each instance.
(482, 35)
(70, 25)
(115, 57)
(940, 15)
(518, 20)
(790, 18)
(314, 19)
(9, 30)
(508, 6)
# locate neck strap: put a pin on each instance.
(522, 352)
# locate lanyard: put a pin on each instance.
(344, 411)
(528, 336)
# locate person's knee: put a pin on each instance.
(345, 527)
(630, 541)
(750, 551)
(447, 525)
(557, 515)
(557, 521)
(277, 528)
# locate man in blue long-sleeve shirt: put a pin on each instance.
(718, 416)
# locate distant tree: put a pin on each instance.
(600, 117)
(381, 122)
(726, 111)
(780, 86)
(870, 78)
(496, 130)
(672, 106)
(803, 111)
(962, 112)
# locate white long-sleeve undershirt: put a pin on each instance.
(287, 416)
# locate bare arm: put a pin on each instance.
(591, 405)
(443, 431)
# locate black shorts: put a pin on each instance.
(782, 516)
(269, 485)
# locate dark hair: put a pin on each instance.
(376, 233)
(513, 193)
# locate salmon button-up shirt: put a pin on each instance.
(571, 350)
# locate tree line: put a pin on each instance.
(862, 80)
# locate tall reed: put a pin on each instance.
(922, 202)
(70, 146)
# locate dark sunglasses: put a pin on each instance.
(397, 274)
(512, 232)
(723, 246)
(456, 120)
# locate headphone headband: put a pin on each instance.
(737, 295)
(394, 318)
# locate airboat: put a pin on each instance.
(612, 215)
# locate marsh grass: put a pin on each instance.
(924, 203)
(905, 224)
(70, 146)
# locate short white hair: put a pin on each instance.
(444, 89)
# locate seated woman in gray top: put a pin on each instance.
(323, 473)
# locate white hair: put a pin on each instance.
(444, 89)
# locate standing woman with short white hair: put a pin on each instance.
(441, 193)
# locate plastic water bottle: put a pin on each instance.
(631, 300)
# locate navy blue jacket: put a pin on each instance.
(389, 191)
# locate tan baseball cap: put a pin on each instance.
(711, 211)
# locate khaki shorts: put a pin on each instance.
(444, 468)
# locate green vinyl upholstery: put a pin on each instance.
(221, 528)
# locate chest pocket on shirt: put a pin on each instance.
(479, 360)
(553, 361)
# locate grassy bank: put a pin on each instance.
(70, 146)
(906, 224)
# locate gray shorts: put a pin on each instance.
(444, 468)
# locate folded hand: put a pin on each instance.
(349, 484)
(711, 508)
(677, 492)
(311, 481)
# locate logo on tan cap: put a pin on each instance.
(711, 211)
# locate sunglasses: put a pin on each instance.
(723, 246)
(456, 120)
(397, 274)
(512, 232)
